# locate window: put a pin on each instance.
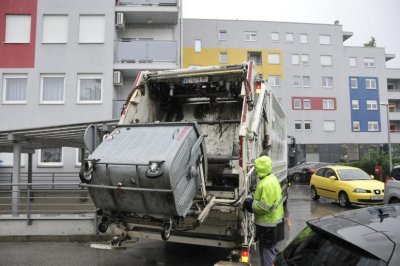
(326, 60)
(197, 46)
(304, 59)
(295, 59)
(370, 84)
(303, 38)
(373, 126)
(353, 61)
(50, 157)
(273, 59)
(52, 89)
(329, 125)
(306, 81)
(275, 36)
(356, 125)
(297, 125)
(307, 125)
(15, 88)
(296, 81)
(324, 39)
(78, 156)
(223, 57)
(353, 83)
(222, 36)
(355, 104)
(55, 29)
(372, 105)
(90, 88)
(274, 81)
(327, 82)
(307, 104)
(255, 56)
(250, 36)
(289, 37)
(91, 28)
(297, 104)
(328, 104)
(369, 62)
(18, 29)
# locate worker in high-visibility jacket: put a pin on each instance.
(267, 207)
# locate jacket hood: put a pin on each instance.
(263, 166)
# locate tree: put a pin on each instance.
(371, 43)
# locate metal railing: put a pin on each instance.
(53, 198)
(145, 51)
(146, 2)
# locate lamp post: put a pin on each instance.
(388, 134)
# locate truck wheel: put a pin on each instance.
(297, 178)
(166, 232)
(394, 200)
(314, 194)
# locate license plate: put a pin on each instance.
(377, 197)
(193, 80)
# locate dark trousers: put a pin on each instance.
(267, 253)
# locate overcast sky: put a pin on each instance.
(365, 18)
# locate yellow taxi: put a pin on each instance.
(349, 185)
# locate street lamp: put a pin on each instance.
(388, 134)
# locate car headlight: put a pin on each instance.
(360, 190)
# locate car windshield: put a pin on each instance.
(353, 174)
(312, 248)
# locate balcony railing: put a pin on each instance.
(144, 51)
(146, 2)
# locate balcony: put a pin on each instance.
(145, 54)
(149, 11)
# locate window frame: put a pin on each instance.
(305, 62)
(89, 76)
(250, 36)
(356, 126)
(23, 34)
(330, 60)
(371, 62)
(275, 78)
(307, 122)
(350, 61)
(325, 39)
(296, 81)
(300, 123)
(297, 104)
(375, 125)
(14, 76)
(197, 46)
(328, 104)
(372, 105)
(255, 54)
(271, 58)
(306, 81)
(289, 39)
(50, 164)
(42, 76)
(84, 40)
(223, 35)
(60, 41)
(327, 123)
(307, 104)
(295, 59)
(221, 57)
(326, 83)
(306, 38)
(276, 34)
(351, 83)
(369, 82)
(355, 104)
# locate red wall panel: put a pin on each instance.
(21, 55)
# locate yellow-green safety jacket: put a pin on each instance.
(267, 203)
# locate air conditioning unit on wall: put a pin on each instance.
(120, 24)
(118, 78)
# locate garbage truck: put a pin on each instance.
(179, 164)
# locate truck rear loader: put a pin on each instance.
(179, 163)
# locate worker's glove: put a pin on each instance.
(247, 205)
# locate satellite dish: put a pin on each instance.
(92, 137)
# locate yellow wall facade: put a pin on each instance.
(210, 57)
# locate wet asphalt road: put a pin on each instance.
(300, 208)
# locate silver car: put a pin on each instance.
(392, 186)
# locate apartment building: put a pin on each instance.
(65, 62)
(332, 93)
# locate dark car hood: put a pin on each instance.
(374, 229)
